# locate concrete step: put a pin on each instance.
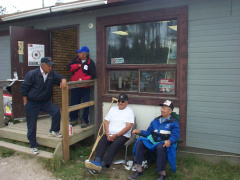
(23, 149)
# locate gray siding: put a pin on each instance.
(5, 60)
(213, 116)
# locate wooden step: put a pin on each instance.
(23, 149)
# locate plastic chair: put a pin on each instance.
(131, 140)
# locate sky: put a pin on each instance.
(13, 6)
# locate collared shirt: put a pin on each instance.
(44, 74)
(162, 119)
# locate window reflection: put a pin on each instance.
(148, 43)
(157, 82)
(124, 81)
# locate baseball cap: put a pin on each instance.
(47, 60)
(123, 97)
(167, 103)
(83, 49)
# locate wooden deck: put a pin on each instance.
(18, 132)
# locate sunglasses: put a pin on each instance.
(121, 101)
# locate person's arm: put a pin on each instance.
(73, 66)
(63, 83)
(136, 131)
(106, 126)
(26, 85)
(24, 100)
(123, 131)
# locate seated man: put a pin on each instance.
(161, 137)
(118, 126)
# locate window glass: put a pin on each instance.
(157, 82)
(145, 43)
(123, 81)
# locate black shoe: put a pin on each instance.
(135, 175)
(74, 123)
(93, 172)
(161, 177)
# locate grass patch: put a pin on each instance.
(5, 152)
(192, 167)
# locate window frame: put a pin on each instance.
(180, 99)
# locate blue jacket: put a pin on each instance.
(34, 87)
(170, 125)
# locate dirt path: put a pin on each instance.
(22, 168)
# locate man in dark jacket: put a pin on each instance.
(82, 68)
(37, 90)
(161, 136)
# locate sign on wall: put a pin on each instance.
(35, 54)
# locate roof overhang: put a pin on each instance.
(54, 9)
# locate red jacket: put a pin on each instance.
(86, 72)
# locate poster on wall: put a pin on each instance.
(166, 86)
(7, 104)
(35, 54)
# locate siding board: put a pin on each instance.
(5, 59)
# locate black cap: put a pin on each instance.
(47, 60)
(123, 97)
(167, 103)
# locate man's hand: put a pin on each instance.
(167, 143)
(136, 131)
(63, 84)
(24, 100)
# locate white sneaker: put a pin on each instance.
(55, 134)
(34, 150)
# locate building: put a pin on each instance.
(181, 50)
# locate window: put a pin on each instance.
(145, 44)
(143, 54)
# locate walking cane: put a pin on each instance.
(99, 136)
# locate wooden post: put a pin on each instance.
(65, 124)
(1, 108)
(95, 108)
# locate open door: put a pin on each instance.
(28, 46)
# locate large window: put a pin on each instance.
(145, 43)
(150, 45)
(144, 54)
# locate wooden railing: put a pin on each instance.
(66, 109)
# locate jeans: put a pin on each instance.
(31, 111)
(76, 95)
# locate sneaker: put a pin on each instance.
(84, 125)
(73, 123)
(55, 134)
(93, 165)
(135, 175)
(34, 150)
(93, 171)
(161, 177)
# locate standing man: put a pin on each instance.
(37, 90)
(161, 136)
(82, 68)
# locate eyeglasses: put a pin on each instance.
(121, 101)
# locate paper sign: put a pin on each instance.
(117, 60)
(166, 86)
(35, 54)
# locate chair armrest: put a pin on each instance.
(131, 140)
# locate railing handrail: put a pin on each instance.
(66, 109)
